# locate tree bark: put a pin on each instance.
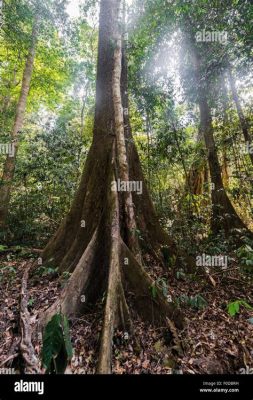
(224, 217)
(196, 177)
(224, 101)
(98, 240)
(241, 116)
(10, 162)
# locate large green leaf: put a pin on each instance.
(234, 307)
(57, 348)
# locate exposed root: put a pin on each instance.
(119, 278)
(70, 301)
(157, 308)
(112, 301)
(116, 309)
(32, 364)
(8, 359)
(177, 341)
(125, 317)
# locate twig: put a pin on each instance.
(8, 359)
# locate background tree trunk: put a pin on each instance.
(10, 162)
(224, 217)
(242, 119)
(197, 176)
(224, 101)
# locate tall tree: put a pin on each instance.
(10, 162)
(224, 105)
(99, 241)
(241, 116)
(224, 216)
(197, 176)
(36, 26)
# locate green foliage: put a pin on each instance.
(168, 258)
(159, 284)
(245, 254)
(57, 349)
(31, 302)
(233, 308)
(153, 289)
(198, 302)
(9, 271)
(180, 274)
(54, 141)
(162, 284)
(66, 274)
(46, 270)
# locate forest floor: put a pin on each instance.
(212, 340)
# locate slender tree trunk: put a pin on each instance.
(6, 99)
(241, 116)
(196, 175)
(224, 100)
(84, 100)
(148, 132)
(10, 162)
(224, 217)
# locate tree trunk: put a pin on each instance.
(242, 119)
(224, 217)
(99, 239)
(10, 162)
(224, 101)
(6, 100)
(196, 178)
